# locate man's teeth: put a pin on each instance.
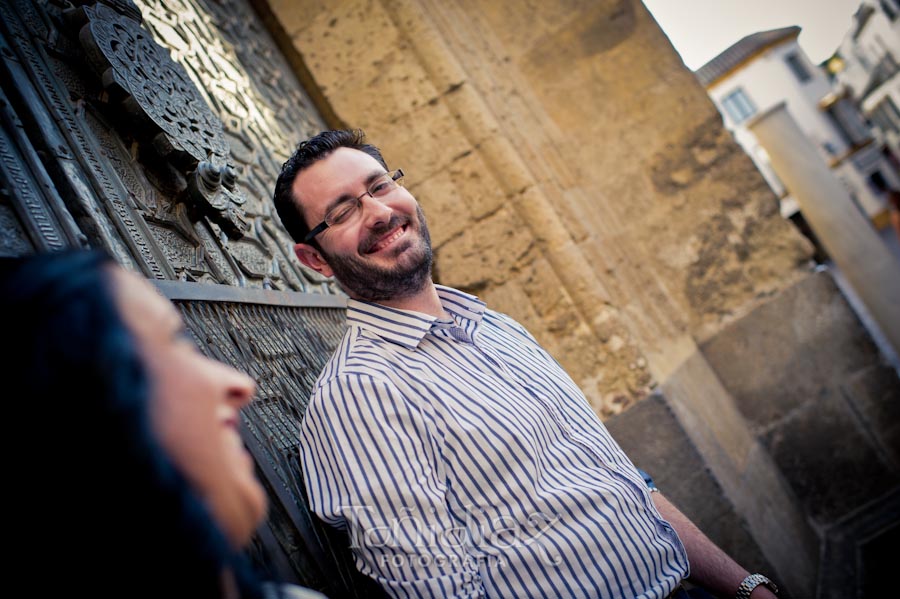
(386, 242)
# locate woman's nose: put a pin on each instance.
(241, 388)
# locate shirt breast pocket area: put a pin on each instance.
(496, 443)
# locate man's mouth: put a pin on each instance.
(387, 239)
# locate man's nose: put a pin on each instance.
(375, 212)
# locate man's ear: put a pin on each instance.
(312, 258)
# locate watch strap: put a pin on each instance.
(750, 583)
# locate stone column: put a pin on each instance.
(846, 234)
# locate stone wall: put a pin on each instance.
(573, 172)
(819, 398)
(576, 176)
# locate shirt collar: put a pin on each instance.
(406, 327)
(461, 304)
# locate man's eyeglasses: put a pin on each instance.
(344, 211)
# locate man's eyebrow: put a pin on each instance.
(370, 178)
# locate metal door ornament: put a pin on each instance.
(166, 108)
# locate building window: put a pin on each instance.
(877, 181)
(849, 123)
(798, 67)
(886, 68)
(738, 105)
(886, 116)
(861, 57)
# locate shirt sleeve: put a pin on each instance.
(372, 468)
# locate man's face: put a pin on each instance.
(382, 252)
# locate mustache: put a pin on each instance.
(377, 232)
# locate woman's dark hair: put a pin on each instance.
(98, 506)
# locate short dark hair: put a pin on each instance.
(308, 153)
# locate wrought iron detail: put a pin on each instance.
(249, 85)
(159, 97)
(212, 190)
(42, 227)
(139, 73)
(240, 96)
(93, 195)
(156, 130)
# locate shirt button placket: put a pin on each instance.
(499, 363)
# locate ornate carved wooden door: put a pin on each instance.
(156, 131)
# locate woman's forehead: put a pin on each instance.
(142, 306)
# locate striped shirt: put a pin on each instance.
(464, 462)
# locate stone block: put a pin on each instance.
(477, 185)
(874, 394)
(457, 196)
(424, 141)
(447, 215)
(296, 15)
(608, 374)
(749, 477)
(655, 441)
(828, 459)
(505, 162)
(335, 38)
(790, 350)
(510, 298)
(487, 253)
(547, 295)
(652, 437)
(859, 553)
(395, 85)
(361, 79)
(611, 376)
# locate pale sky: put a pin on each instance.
(701, 29)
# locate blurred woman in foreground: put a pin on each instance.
(132, 480)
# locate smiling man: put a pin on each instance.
(455, 451)
(386, 259)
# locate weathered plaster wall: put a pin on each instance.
(573, 172)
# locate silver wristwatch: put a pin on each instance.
(751, 582)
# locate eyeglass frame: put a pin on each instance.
(395, 176)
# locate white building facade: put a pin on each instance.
(767, 68)
(866, 67)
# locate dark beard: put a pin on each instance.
(374, 284)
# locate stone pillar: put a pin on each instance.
(846, 234)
